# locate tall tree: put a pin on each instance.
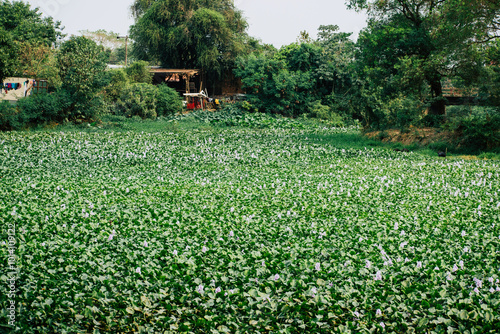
(20, 26)
(188, 33)
(439, 37)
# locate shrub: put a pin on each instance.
(138, 99)
(7, 114)
(138, 72)
(480, 131)
(118, 81)
(168, 101)
(44, 108)
(321, 111)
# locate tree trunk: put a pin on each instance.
(438, 105)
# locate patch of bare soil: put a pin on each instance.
(420, 136)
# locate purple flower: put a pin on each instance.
(419, 264)
(200, 288)
(317, 267)
(204, 249)
(378, 276)
(461, 264)
(476, 290)
(138, 270)
(231, 233)
(378, 313)
(455, 268)
(357, 315)
(218, 289)
(145, 244)
(276, 277)
(382, 325)
(368, 264)
(463, 233)
(175, 252)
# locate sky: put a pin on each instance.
(276, 22)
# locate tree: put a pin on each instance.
(189, 33)
(438, 38)
(82, 64)
(21, 26)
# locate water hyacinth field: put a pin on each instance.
(245, 231)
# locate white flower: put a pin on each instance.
(314, 291)
(175, 252)
(145, 244)
(378, 313)
(402, 232)
(455, 268)
(317, 267)
(419, 264)
(276, 277)
(138, 270)
(492, 290)
(232, 209)
(204, 249)
(461, 264)
(231, 233)
(356, 313)
(378, 276)
(263, 263)
(368, 264)
(396, 226)
(463, 233)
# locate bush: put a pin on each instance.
(323, 112)
(138, 99)
(480, 131)
(118, 81)
(44, 108)
(138, 72)
(8, 113)
(168, 101)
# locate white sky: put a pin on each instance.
(276, 22)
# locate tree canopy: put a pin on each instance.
(188, 33)
(21, 26)
(432, 38)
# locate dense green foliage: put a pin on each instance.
(138, 99)
(168, 101)
(21, 24)
(138, 72)
(148, 101)
(238, 230)
(302, 78)
(188, 34)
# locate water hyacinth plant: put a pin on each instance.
(243, 231)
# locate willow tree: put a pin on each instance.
(189, 33)
(438, 38)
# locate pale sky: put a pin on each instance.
(276, 22)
